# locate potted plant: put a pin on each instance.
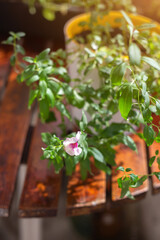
(122, 51)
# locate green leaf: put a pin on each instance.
(152, 108)
(12, 60)
(83, 122)
(129, 169)
(120, 168)
(151, 160)
(84, 168)
(32, 96)
(127, 18)
(28, 59)
(97, 154)
(133, 177)
(157, 139)
(157, 152)
(31, 80)
(44, 109)
(134, 54)
(20, 49)
(46, 138)
(148, 134)
(157, 174)
(60, 106)
(128, 141)
(43, 54)
(125, 101)
(20, 34)
(139, 182)
(78, 100)
(48, 14)
(117, 74)
(42, 88)
(50, 96)
(151, 62)
(125, 187)
(103, 167)
(70, 166)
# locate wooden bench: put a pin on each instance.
(20, 140)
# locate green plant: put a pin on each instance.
(127, 65)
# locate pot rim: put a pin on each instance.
(71, 27)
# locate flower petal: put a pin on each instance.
(69, 150)
(69, 141)
(77, 151)
(78, 135)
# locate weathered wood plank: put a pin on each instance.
(84, 197)
(155, 182)
(4, 69)
(14, 122)
(42, 186)
(128, 158)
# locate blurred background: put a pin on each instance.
(138, 220)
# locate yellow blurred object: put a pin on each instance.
(73, 26)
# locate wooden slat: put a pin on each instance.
(4, 69)
(128, 158)
(42, 186)
(84, 197)
(14, 121)
(155, 182)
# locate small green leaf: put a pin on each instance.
(28, 59)
(46, 138)
(157, 174)
(97, 154)
(120, 168)
(134, 54)
(117, 74)
(151, 160)
(125, 188)
(13, 60)
(42, 88)
(50, 96)
(151, 62)
(125, 101)
(157, 139)
(61, 107)
(128, 141)
(148, 134)
(157, 152)
(128, 170)
(140, 182)
(31, 80)
(32, 96)
(44, 109)
(83, 122)
(127, 18)
(48, 14)
(43, 54)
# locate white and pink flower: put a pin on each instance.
(71, 145)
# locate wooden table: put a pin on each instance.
(20, 140)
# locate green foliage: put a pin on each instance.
(128, 70)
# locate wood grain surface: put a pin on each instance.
(14, 122)
(155, 182)
(42, 186)
(128, 158)
(84, 197)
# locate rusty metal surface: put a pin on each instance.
(128, 158)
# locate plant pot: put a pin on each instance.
(73, 28)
